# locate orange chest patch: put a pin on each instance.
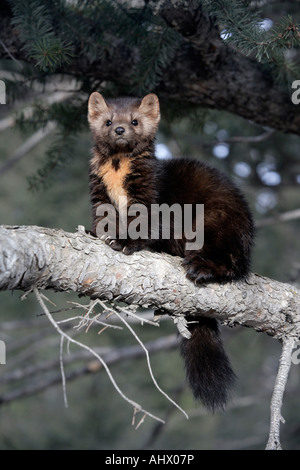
(113, 174)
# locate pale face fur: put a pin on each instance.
(137, 119)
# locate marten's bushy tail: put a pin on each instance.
(208, 369)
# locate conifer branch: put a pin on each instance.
(194, 65)
(213, 60)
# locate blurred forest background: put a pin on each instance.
(44, 154)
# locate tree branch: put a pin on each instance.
(205, 71)
(111, 356)
(36, 257)
(27, 146)
(64, 335)
(282, 217)
(277, 397)
(210, 73)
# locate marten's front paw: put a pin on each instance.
(128, 250)
(116, 245)
(198, 271)
(126, 246)
(132, 246)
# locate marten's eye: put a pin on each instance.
(108, 123)
(134, 122)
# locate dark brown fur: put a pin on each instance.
(124, 163)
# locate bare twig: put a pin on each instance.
(63, 377)
(149, 364)
(248, 139)
(105, 308)
(87, 321)
(46, 99)
(84, 346)
(134, 315)
(10, 55)
(28, 145)
(283, 217)
(112, 356)
(277, 397)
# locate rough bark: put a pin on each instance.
(212, 74)
(48, 258)
(204, 72)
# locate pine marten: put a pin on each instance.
(124, 167)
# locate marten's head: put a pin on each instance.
(123, 124)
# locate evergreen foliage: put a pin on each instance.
(68, 37)
(243, 28)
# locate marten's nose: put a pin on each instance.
(120, 130)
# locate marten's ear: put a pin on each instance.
(150, 107)
(97, 105)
